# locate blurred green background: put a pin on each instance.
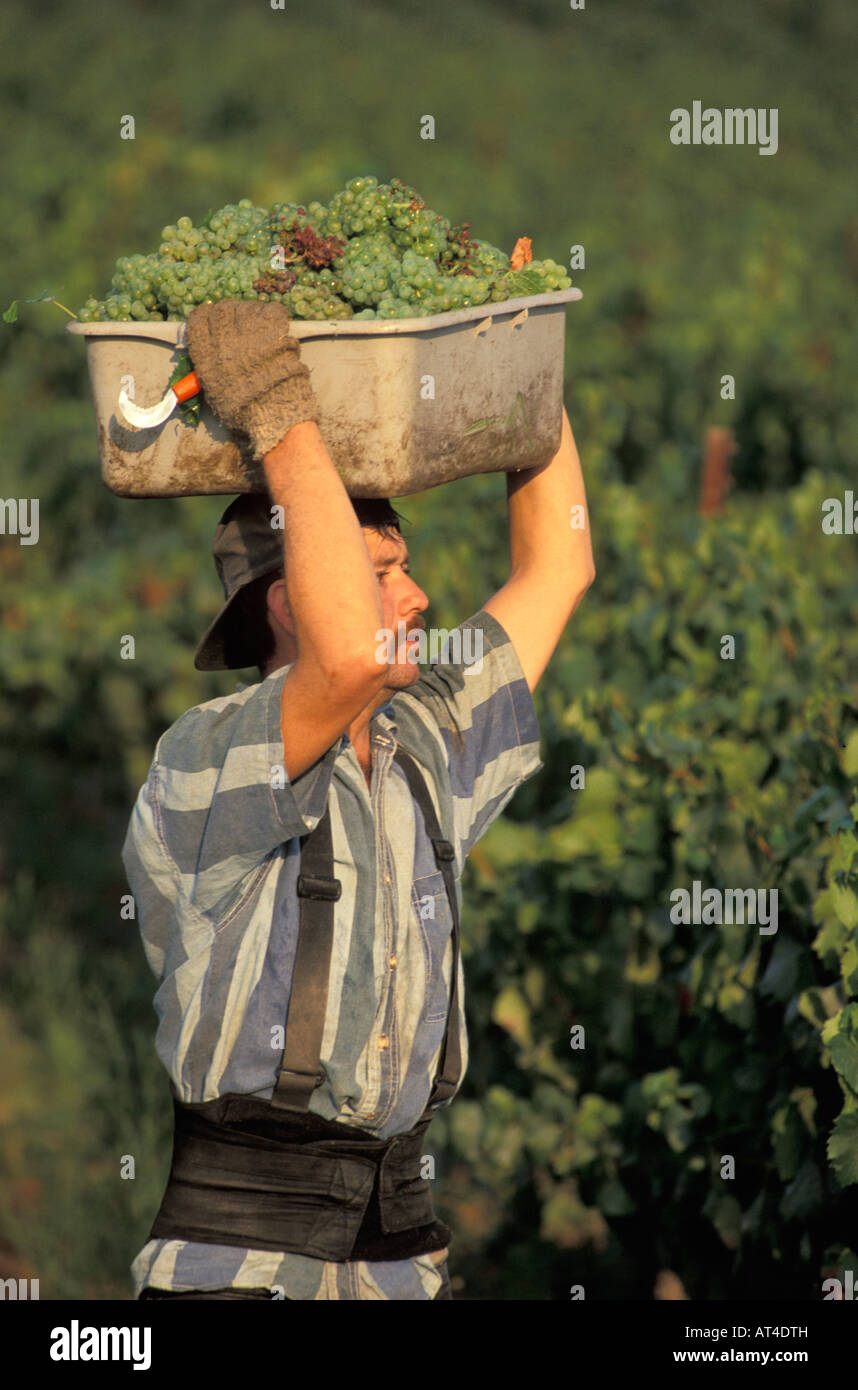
(556, 1166)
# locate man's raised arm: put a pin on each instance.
(551, 557)
(251, 371)
(333, 596)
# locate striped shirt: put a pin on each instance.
(212, 858)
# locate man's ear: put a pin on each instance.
(278, 607)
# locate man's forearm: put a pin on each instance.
(549, 528)
(330, 582)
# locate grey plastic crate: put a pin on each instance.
(405, 404)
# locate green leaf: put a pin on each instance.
(845, 903)
(805, 1102)
(849, 967)
(814, 808)
(844, 1054)
(842, 1148)
(831, 1027)
(803, 1194)
(642, 969)
(786, 1142)
(189, 411)
(11, 314)
(850, 755)
(725, 1214)
(818, 1004)
(569, 1223)
(613, 1199)
(523, 282)
(781, 974)
(527, 915)
(511, 1012)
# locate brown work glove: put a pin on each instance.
(251, 370)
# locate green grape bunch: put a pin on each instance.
(376, 251)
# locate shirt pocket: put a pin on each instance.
(432, 909)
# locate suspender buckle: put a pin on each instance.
(322, 889)
(443, 849)
(317, 1077)
(293, 1089)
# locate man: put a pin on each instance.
(296, 856)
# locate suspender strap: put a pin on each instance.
(299, 1072)
(450, 1064)
(318, 890)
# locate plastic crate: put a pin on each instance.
(405, 404)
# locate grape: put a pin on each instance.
(394, 257)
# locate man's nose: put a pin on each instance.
(410, 597)
(416, 599)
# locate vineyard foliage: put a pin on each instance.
(642, 1095)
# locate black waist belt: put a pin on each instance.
(271, 1174)
(244, 1174)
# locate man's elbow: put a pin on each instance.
(358, 669)
(582, 581)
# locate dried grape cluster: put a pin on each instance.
(376, 251)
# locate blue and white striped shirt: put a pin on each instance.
(212, 858)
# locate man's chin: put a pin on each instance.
(401, 674)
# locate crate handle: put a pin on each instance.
(482, 326)
(519, 318)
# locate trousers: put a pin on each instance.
(194, 1295)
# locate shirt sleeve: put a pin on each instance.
(476, 699)
(220, 797)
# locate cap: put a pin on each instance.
(245, 547)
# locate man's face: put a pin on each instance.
(402, 603)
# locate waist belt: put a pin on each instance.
(245, 1174)
(271, 1174)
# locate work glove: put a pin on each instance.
(250, 368)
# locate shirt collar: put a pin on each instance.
(384, 721)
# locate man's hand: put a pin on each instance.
(250, 367)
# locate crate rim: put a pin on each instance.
(172, 330)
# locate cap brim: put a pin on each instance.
(211, 652)
(224, 646)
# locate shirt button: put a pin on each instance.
(392, 962)
(387, 878)
(383, 1041)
